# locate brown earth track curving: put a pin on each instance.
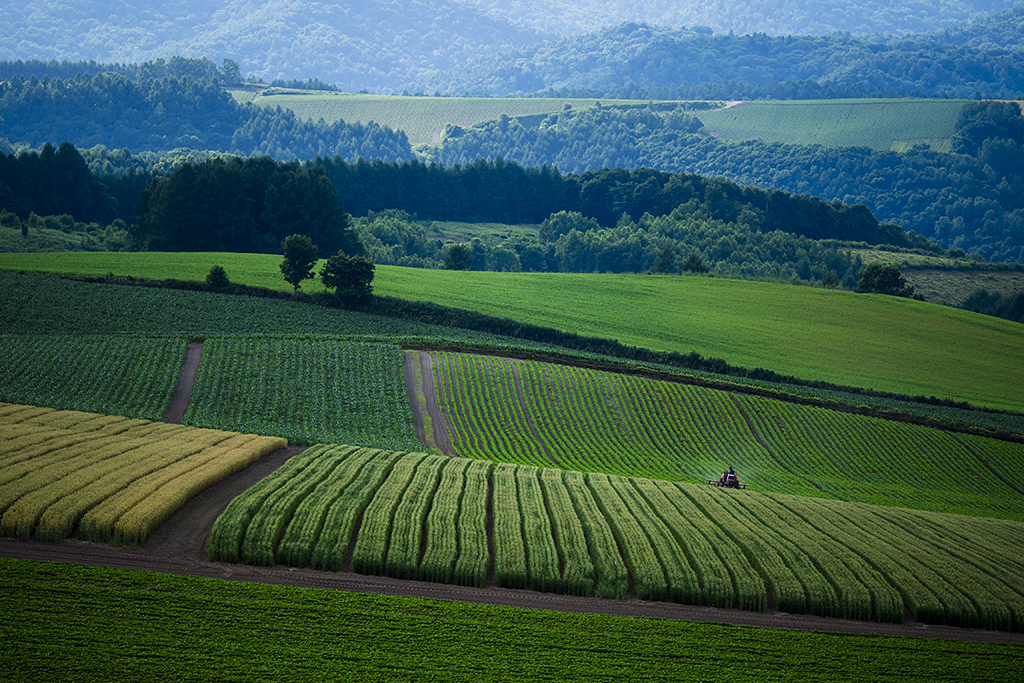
(442, 429)
(186, 382)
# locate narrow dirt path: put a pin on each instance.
(409, 366)
(147, 559)
(186, 383)
(442, 429)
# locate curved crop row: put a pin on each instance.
(538, 413)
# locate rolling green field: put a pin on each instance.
(861, 340)
(881, 124)
(78, 623)
(552, 415)
(422, 118)
(878, 124)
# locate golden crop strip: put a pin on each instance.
(107, 478)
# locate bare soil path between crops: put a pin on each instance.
(186, 383)
(178, 546)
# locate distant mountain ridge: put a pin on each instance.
(381, 45)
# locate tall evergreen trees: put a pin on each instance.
(243, 205)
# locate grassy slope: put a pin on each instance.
(878, 124)
(870, 341)
(422, 118)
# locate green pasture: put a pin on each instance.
(860, 340)
(422, 118)
(880, 124)
(79, 623)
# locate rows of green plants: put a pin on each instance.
(46, 305)
(579, 418)
(166, 626)
(128, 376)
(306, 388)
(41, 304)
(104, 478)
(565, 532)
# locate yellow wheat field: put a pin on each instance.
(107, 479)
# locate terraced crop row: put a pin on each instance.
(107, 479)
(579, 418)
(307, 389)
(113, 375)
(425, 517)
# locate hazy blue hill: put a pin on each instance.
(369, 44)
(774, 17)
(380, 45)
(635, 60)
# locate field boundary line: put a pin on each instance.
(186, 383)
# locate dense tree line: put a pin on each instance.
(685, 240)
(243, 205)
(972, 199)
(649, 61)
(52, 182)
(172, 111)
(1008, 306)
(612, 220)
(229, 73)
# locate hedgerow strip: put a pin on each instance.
(303, 530)
(647, 573)
(570, 539)
(542, 561)
(510, 569)
(406, 538)
(371, 547)
(474, 558)
(340, 521)
(442, 524)
(612, 573)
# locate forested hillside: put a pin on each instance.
(382, 45)
(776, 17)
(640, 61)
(970, 199)
(370, 44)
(160, 106)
